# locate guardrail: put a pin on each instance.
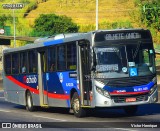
(22, 38)
(158, 70)
(157, 51)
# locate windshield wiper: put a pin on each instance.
(136, 51)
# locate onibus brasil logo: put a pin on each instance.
(13, 6)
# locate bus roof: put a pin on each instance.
(61, 38)
(47, 41)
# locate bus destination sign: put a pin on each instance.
(122, 36)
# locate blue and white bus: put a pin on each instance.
(104, 68)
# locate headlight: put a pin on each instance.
(153, 89)
(102, 92)
(99, 90)
(105, 93)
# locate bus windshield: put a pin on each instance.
(125, 60)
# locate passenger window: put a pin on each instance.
(146, 56)
(52, 59)
(32, 61)
(61, 58)
(15, 63)
(23, 62)
(71, 56)
(7, 64)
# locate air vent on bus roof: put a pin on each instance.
(56, 37)
(40, 40)
(62, 36)
(59, 36)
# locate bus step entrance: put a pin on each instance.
(45, 106)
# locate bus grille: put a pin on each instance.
(122, 99)
(128, 82)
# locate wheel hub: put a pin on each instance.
(29, 101)
(76, 105)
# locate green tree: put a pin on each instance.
(150, 13)
(4, 19)
(50, 24)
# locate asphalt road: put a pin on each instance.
(12, 113)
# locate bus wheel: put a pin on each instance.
(29, 102)
(76, 106)
(130, 110)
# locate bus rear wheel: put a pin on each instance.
(131, 110)
(76, 106)
(29, 102)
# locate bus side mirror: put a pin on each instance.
(93, 68)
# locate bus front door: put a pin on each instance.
(84, 73)
(43, 89)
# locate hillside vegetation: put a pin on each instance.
(112, 14)
(83, 11)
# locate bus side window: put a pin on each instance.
(23, 62)
(7, 64)
(52, 68)
(15, 63)
(32, 61)
(52, 59)
(71, 56)
(61, 58)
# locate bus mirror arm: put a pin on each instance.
(154, 54)
(93, 67)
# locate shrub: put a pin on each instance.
(150, 13)
(49, 24)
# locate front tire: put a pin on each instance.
(131, 110)
(29, 102)
(76, 106)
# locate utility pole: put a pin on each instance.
(13, 6)
(14, 25)
(96, 14)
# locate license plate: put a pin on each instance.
(130, 99)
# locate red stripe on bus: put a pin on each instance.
(22, 85)
(128, 93)
(57, 96)
(51, 95)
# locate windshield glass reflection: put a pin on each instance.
(119, 61)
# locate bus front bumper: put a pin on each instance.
(117, 101)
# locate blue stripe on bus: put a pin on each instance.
(48, 43)
(140, 88)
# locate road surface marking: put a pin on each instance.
(1, 97)
(2, 110)
(49, 118)
(123, 129)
